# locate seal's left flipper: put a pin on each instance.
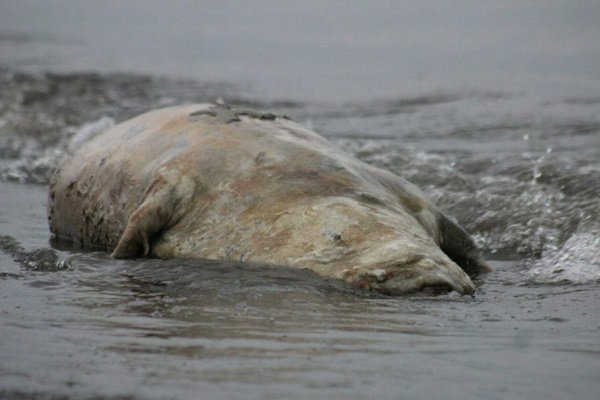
(460, 247)
(166, 200)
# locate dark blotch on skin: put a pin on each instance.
(260, 158)
(228, 114)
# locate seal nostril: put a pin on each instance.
(333, 235)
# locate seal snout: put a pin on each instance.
(421, 275)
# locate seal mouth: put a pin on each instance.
(436, 290)
(433, 284)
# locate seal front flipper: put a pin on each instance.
(460, 247)
(166, 200)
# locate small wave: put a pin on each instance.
(35, 162)
(576, 261)
(45, 115)
(43, 259)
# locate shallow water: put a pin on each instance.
(514, 159)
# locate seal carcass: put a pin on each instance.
(215, 182)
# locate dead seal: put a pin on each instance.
(217, 182)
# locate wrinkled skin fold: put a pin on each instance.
(216, 182)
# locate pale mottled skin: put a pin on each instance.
(218, 183)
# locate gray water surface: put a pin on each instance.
(493, 110)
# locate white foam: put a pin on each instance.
(88, 131)
(576, 261)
